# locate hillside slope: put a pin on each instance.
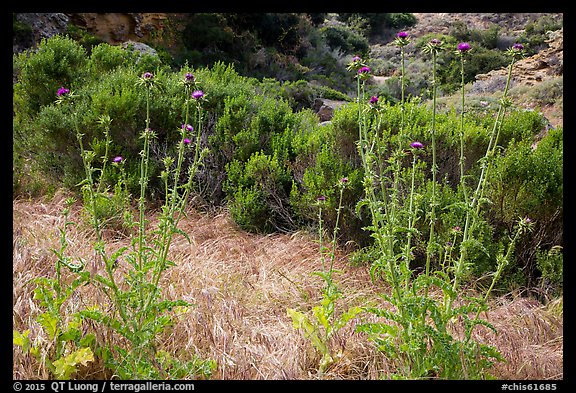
(532, 77)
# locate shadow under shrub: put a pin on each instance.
(529, 182)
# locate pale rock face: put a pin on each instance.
(548, 63)
(140, 48)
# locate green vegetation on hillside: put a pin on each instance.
(269, 158)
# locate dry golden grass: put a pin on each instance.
(241, 285)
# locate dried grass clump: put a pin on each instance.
(240, 285)
(529, 336)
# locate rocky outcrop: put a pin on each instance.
(115, 28)
(140, 48)
(548, 63)
(325, 108)
(42, 25)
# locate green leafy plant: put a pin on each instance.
(66, 347)
(325, 322)
(138, 313)
(416, 332)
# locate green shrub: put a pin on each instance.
(345, 39)
(258, 192)
(55, 127)
(58, 61)
(81, 35)
(529, 183)
(55, 154)
(249, 123)
(550, 263)
(105, 58)
(222, 80)
(249, 210)
(398, 20)
(250, 128)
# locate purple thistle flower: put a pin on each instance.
(187, 127)
(402, 39)
(189, 77)
(364, 70)
(435, 42)
(526, 223)
(516, 51)
(344, 180)
(356, 58)
(117, 159)
(148, 75)
(464, 47)
(373, 100)
(321, 198)
(197, 94)
(416, 145)
(186, 141)
(62, 91)
(518, 47)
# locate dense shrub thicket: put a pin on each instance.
(269, 157)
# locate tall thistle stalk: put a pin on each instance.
(89, 189)
(138, 315)
(383, 213)
(415, 150)
(176, 201)
(473, 208)
(325, 322)
(433, 47)
(147, 80)
(461, 50)
(402, 39)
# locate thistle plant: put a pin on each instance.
(461, 51)
(433, 47)
(473, 204)
(402, 39)
(325, 322)
(67, 348)
(416, 333)
(137, 312)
